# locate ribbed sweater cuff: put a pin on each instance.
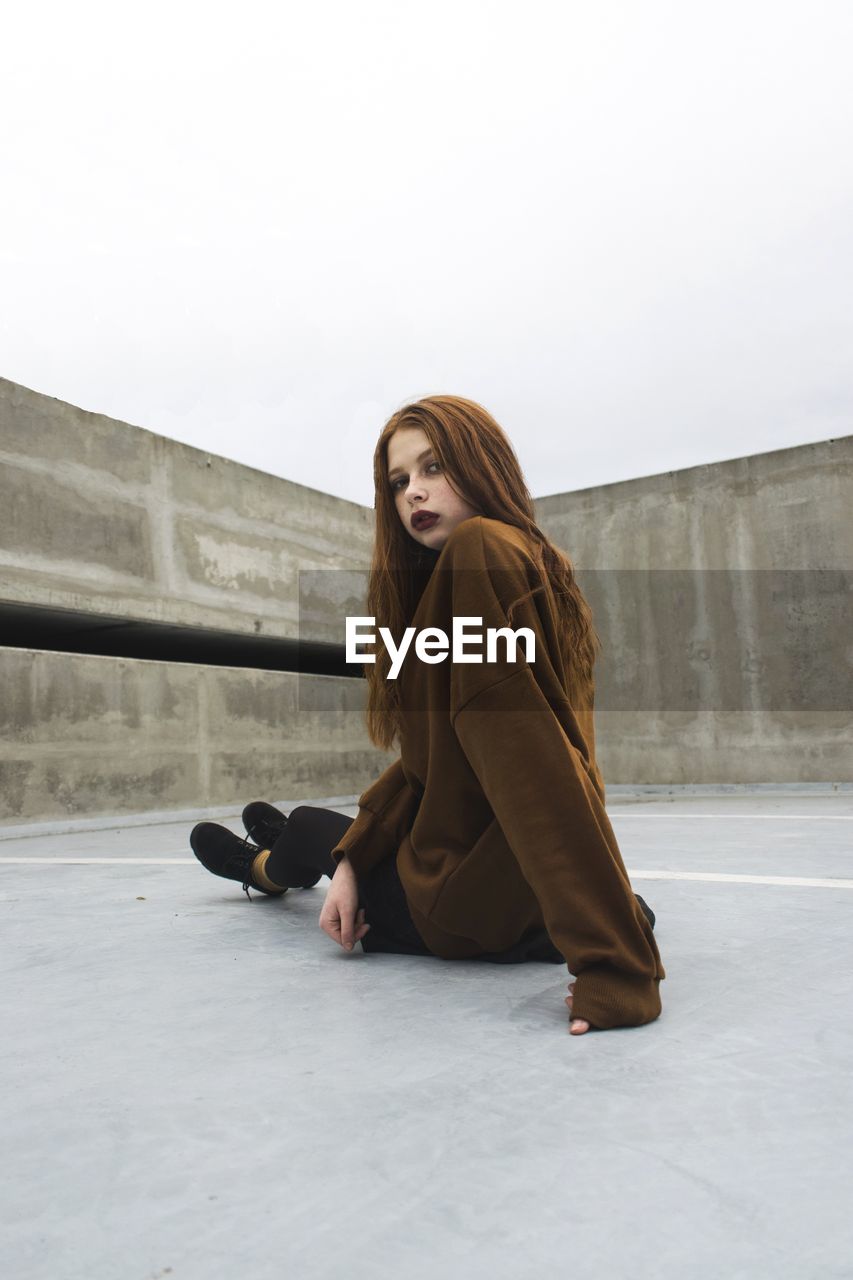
(606, 997)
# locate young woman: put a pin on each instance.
(488, 836)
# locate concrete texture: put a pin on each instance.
(784, 509)
(725, 747)
(723, 595)
(83, 735)
(107, 517)
(198, 1085)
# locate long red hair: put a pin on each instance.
(480, 464)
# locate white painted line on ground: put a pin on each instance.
(107, 862)
(726, 877)
(723, 877)
(741, 817)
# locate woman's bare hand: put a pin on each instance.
(341, 917)
(579, 1025)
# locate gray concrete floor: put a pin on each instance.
(199, 1086)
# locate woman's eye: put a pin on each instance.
(401, 479)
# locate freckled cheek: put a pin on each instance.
(456, 503)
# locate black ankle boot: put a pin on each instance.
(264, 823)
(227, 855)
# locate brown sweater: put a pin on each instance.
(495, 808)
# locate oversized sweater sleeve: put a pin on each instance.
(386, 811)
(519, 737)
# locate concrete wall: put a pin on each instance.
(82, 735)
(722, 594)
(101, 516)
(787, 509)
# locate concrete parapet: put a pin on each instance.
(108, 518)
(785, 509)
(83, 735)
(723, 594)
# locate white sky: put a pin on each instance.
(624, 228)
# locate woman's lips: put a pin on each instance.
(425, 522)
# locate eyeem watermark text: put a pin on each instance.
(432, 645)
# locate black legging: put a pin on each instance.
(306, 843)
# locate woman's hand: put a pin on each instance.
(341, 918)
(579, 1025)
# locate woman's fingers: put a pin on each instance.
(331, 920)
(342, 921)
(353, 929)
(578, 1025)
(361, 926)
(348, 929)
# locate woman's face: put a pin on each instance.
(419, 484)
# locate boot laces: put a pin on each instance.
(247, 858)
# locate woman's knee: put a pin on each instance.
(301, 816)
(294, 813)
